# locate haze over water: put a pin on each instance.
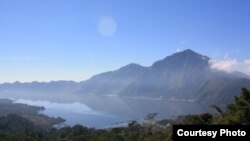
(105, 111)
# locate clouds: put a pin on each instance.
(231, 65)
(247, 62)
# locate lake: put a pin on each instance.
(108, 111)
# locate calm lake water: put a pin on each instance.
(106, 111)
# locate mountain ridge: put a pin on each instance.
(184, 75)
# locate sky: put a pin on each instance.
(44, 40)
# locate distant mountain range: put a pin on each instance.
(185, 76)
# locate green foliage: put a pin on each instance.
(30, 113)
(237, 112)
(202, 119)
(218, 109)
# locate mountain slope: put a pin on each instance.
(185, 76)
(111, 83)
(173, 75)
(54, 90)
(182, 76)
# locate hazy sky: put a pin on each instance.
(47, 40)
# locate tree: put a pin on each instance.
(202, 119)
(237, 112)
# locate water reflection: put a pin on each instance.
(77, 108)
(76, 113)
(105, 111)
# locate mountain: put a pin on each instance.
(54, 90)
(113, 82)
(185, 75)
